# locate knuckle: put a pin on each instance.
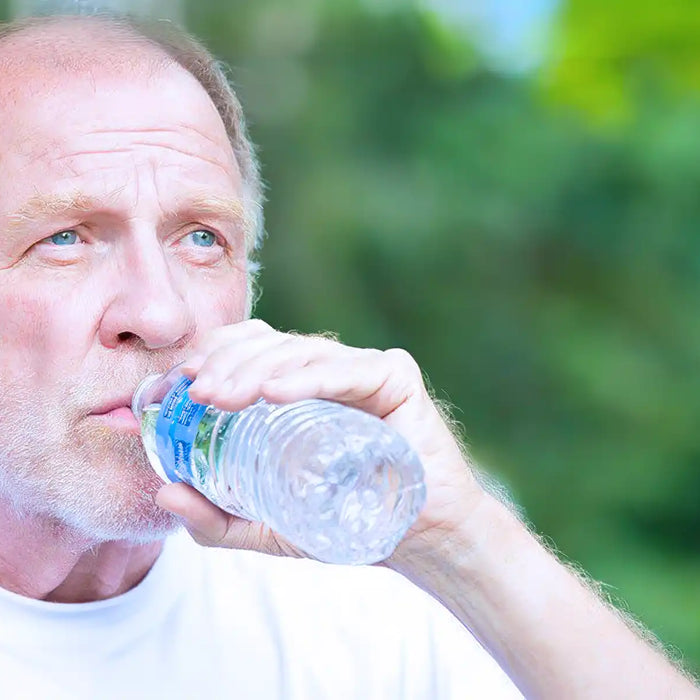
(257, 325)
(402, 359)
(313, 346)
(405, 370)
(214, 337)
(323, 343)
(329, 336)
(308, 338)
(219, 339)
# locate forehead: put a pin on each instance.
(63, 81)
(92, 129)
(53, 114)
(59, 104)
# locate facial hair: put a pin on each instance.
(63, 465)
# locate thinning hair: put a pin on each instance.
(181, 48)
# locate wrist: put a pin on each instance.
(443, 553)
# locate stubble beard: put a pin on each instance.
(93, 482)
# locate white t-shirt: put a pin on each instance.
(209, 623)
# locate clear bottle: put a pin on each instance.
(335, 481)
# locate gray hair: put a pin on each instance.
(189, 53)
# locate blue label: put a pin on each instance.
(176, 429)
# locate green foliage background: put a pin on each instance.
(531, 238)
(544, 270)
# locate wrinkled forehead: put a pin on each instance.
(68, 78)
(66, 102)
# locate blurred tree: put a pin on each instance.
(607, 53)
(170, 9)
(543, 275)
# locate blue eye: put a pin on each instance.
(203, 238)
(64, 238)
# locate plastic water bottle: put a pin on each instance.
(334, 481)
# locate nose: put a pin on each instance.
(148, 303)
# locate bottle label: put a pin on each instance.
(176, 429)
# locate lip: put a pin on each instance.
(112, 404)
(117, 414)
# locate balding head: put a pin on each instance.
(73, 44)
(37, 52)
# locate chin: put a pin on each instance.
(123, 525)
(123, 509)
(104, 500)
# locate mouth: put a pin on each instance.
(118, 415)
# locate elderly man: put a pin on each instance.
(129, 209)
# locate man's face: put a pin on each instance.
(121, 242)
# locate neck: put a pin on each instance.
(45, 560)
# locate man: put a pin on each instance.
(129, 209)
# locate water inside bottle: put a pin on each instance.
(149, 418)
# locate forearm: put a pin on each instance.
(550, 632)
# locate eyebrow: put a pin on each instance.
(210, 206)
(44, 206)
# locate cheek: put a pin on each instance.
(219, 304)
(41, 329)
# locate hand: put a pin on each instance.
(235, 365)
